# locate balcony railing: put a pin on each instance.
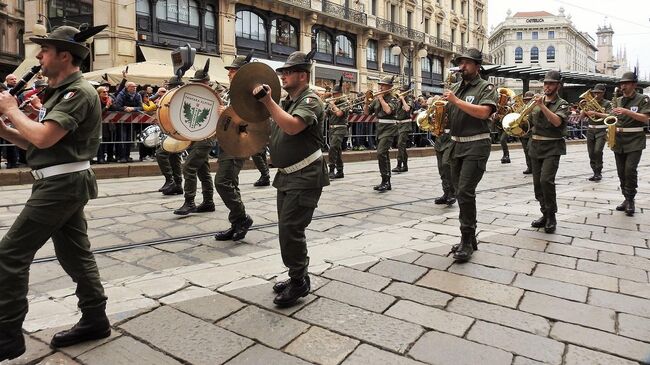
(343, 12)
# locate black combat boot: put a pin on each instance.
(598, 176)
(241, 228)
(528, 171)
(539, 222)
(441, 199)
(505, 159)
(90, 327)
(264, 180)
(187, 207)
(385, 185)
(206, 206)
(398, 168)
(339, 174)
(551, 223)
(405, 166)
(281, 285)
(383, 180)
(629, 209)
(225, 235)
(296, 289)
(12, 344)
(621, 207)
(168, 181)
(174, 189)
(451, 199)
(332, 172)
(464, 251)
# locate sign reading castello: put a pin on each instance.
(535, 20)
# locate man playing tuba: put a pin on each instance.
(597, 131)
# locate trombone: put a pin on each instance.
(371, 95)
(334, 99)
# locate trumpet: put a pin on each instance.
(404, 93)
(335, 98)
(516, 124)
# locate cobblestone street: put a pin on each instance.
(384, 291)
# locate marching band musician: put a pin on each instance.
(59, 149)
(442, 146)
(384, 107)
(404, 128)
(170, 163)
(338, 127)
(528, 96)
(197, 164)
(548, 123)
(469, 106)
(597, 132)
(296, 142)
(633, 112)
(226, 180)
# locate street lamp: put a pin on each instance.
(39, 29)
(396, 50)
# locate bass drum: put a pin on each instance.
(189, 112)
(172, 145)
(150, 136)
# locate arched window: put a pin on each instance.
(209, 17)
(425, 65)
(389, 58)
(250, 26)
(323, 42)
(142, 7)
(550, 54)
(343, 46)
(534, 55)
(519, 55)
(284, 33)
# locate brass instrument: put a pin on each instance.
(370, 95)
(503, 104)
(610, 122)
(518, 104)
(516, 124)
(335, 99)
(588, 102)
(404, 93)
(433, 119)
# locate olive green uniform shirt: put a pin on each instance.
(385, 130)
(461, 124)
(333, 120)
(631, 141)
(287, 150)
(542, 127)
(402, 114)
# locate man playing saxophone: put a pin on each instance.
(597, 131)
(469, 106)
(632, 112)
(548, 123)
(384, 106)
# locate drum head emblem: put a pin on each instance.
(196, 111)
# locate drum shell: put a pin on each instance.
(150, 136)
(173, 117)
(173, 145)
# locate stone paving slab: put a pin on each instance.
(262, 355)
(126, 351)
(568, 311)
(356, 296)
(439, 348)
(431, 318)
(322, 346)
(368, 355)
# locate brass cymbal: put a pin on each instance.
(248, 77)
(240, 138)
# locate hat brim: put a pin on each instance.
(298, 67)
(232, 68)
(597, 91)
(74, 48)
(456, 60)
(551, 80)
(625, 80)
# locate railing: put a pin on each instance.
(343, 12)
(441, 43)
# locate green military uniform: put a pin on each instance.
(298, 192)
(442, 147)
(503, 140)
(468, 159)
(630, 143)
(170, 165)
(597, 136)
(386, 130)
(404, 129)
(524, 140)
(259, 159)
(197, 165)
(338, 127)
(56, 207)
(545, 148)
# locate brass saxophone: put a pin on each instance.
(433, 119)
(610, 122)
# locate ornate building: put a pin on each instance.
(355, 39)
(606, 62)
(12, 50)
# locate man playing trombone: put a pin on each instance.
(405, 127)
(597, 130)
(337, 116)
(548, 123)
(469, 106)
(383, 106)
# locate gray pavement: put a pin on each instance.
(383, 289)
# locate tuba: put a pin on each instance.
(516, 124)
(434, 118)
(610, 122)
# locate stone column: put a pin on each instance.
(115, 45)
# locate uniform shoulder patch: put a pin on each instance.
(69, 95)
(646, 99)
(490, 87)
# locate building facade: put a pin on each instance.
(12, 25)
(544, 40)
(606, 62)
(354, 39)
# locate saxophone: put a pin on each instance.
(610, 122)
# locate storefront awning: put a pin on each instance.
(163, 56)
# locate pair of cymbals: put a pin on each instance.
(247, 78)
(240, 138)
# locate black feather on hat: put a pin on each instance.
(71, 39)
(202, 74)
(338, 88)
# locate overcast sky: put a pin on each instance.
(630, 20)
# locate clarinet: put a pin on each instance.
(26, 78)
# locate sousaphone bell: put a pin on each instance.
(243, 102)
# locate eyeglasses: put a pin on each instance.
(289, 72)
